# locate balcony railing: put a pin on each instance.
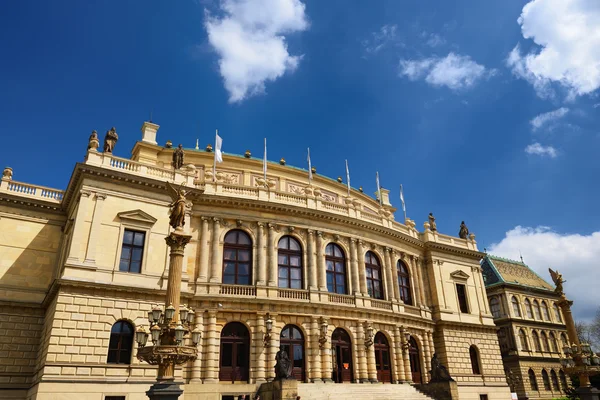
(238, 290)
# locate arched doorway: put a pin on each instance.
(292, 342)
(415, 360)
(382, 358)
(235, 353)
(341, 348)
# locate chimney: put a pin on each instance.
(149, 132)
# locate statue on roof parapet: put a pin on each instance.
(110, 140)
(558, 281)
(178, 157)
(432, 224)
(93, 141)
(463, 233)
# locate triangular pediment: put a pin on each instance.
(458, 274)
(137, 216)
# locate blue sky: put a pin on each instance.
(481, 116)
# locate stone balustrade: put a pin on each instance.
(31, 191)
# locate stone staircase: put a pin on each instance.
(364, 391)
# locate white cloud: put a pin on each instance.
(540, 150)
(568, 32)
(574, 255)
(434, 40)
(454, 71)
(387, 34)
(542, 119)
(250, 41)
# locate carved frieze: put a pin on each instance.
(329, 196)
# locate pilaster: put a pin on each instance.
(262, 256)
(315, 351)
(390, 294)
(197, 364)
(312, 263)
(321, 263)
(363, 374)
(215, 262)
(326, 365)
(271, 252)
(90, 256)
(80, 228)
(405, 356)
(260, 349)
(204, 252)
(361, 270)
(398, 359)
(394, 275)
(371, 363)
(354, 267)
(211, 349)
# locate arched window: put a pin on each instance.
(234, 362)
(373, 271)
(290, 263)
(554, 378)
(382, 358)
(563, 380)
(536, 310)
(237, 258)
(473, 353)
(545, 344)
(336, 268)
(495, 307)
(546, 380)
(545, 312)
(528, 309)
(292, 342)
(120, 343)
(523, 340)
(553, 343)
(404, 283)
(516, 308)
(532, 380)
(557, 314)
(536, 342)
(563, 340)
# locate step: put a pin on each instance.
(365, 391)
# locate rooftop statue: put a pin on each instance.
(432, 225)
(178, 156)
(558, 281)
(110, 140)
(463, 233)
(177, 216)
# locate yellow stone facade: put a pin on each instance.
(531, 326)
(62, 290)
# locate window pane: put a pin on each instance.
(241, 356)
(229, 279)
(296, 284)
(285, 334)
(283, 272)
(294, 245)
(243, 280)
(329, 250)
(112, 356)
(283, 259)
(126, 253)
(283, 283)
(329, 265)
(138, 238)
(295, 261)
(231, 237)
(329, 279)
(229, 254)
(135, 266)
(126, 328)
(128, 237)
(296, 273)
(243, 269)
(339, 279)
(368, 271)
(341, 289)
(226, 354)
(229, 268)
(283, 243)
(243, 238)
(137, 255)
(339, 267)
(125, 357)
(337, 252)
(375, 274)
(243, 255)
(124, 266)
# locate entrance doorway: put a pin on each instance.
(382, 358)
(235, 353)
(415, 360)
(341, 348)
(292, 342)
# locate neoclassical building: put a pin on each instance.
(531, 328)
(358, 299)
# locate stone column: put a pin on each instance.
(260, 349)
(312, 263)
(363, 374)
(405, 357)
(426, 357)
(215, 262)
(211, 348)
(79, 230)
(429, 350)
(414, 276)
(388, 274)
(399, 359)
(321, 269)
(272, 254)
(326, 362)
(315, 351)
(371, 364)
(204, 253)
(272, 349)
(361, 268)
(197, 364)
(354, 266)
(416, 263)
(90, 255)
(394, 275)
(262, 257)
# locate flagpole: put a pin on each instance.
(265, 163)
(215, 158)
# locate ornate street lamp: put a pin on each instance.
(323, 332)
(269, 328)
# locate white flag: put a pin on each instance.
(402, 200)
(348, 177)
(309, 168)
(265, 162)
(218, 144)
(378, 188)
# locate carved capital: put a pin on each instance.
(85, 193)
(100, 196)
(353, 241)
(336, 238)
(217, 221)
(260, 225)
(205, 219)
(320, 234)
(271, 226)
(388, 250)
(310, 232)
(177, 242)
(291, 229)
(239, 223)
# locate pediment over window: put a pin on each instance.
(459, 275)
(137, 217)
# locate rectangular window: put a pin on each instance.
(114, 397)
(132, 251)
(483, 397)
(462, 298)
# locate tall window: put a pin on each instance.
(336, 269)
(237, 258)
(546, 380)
(373, 271)
(292, 342)
(532, 380)
(563, 380)
(554, 377)
(132, 251)
(474, 360)
(557, 313)
(462, 298)
(495, 307)
(545, 344)
(523, 340)
(553, 343)
(120, 343)
(516, 308)
(536, 309)
(290, 263)
(545, 312)
(563, 340)
(404, 283)
(536, 341)
(528, 309)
